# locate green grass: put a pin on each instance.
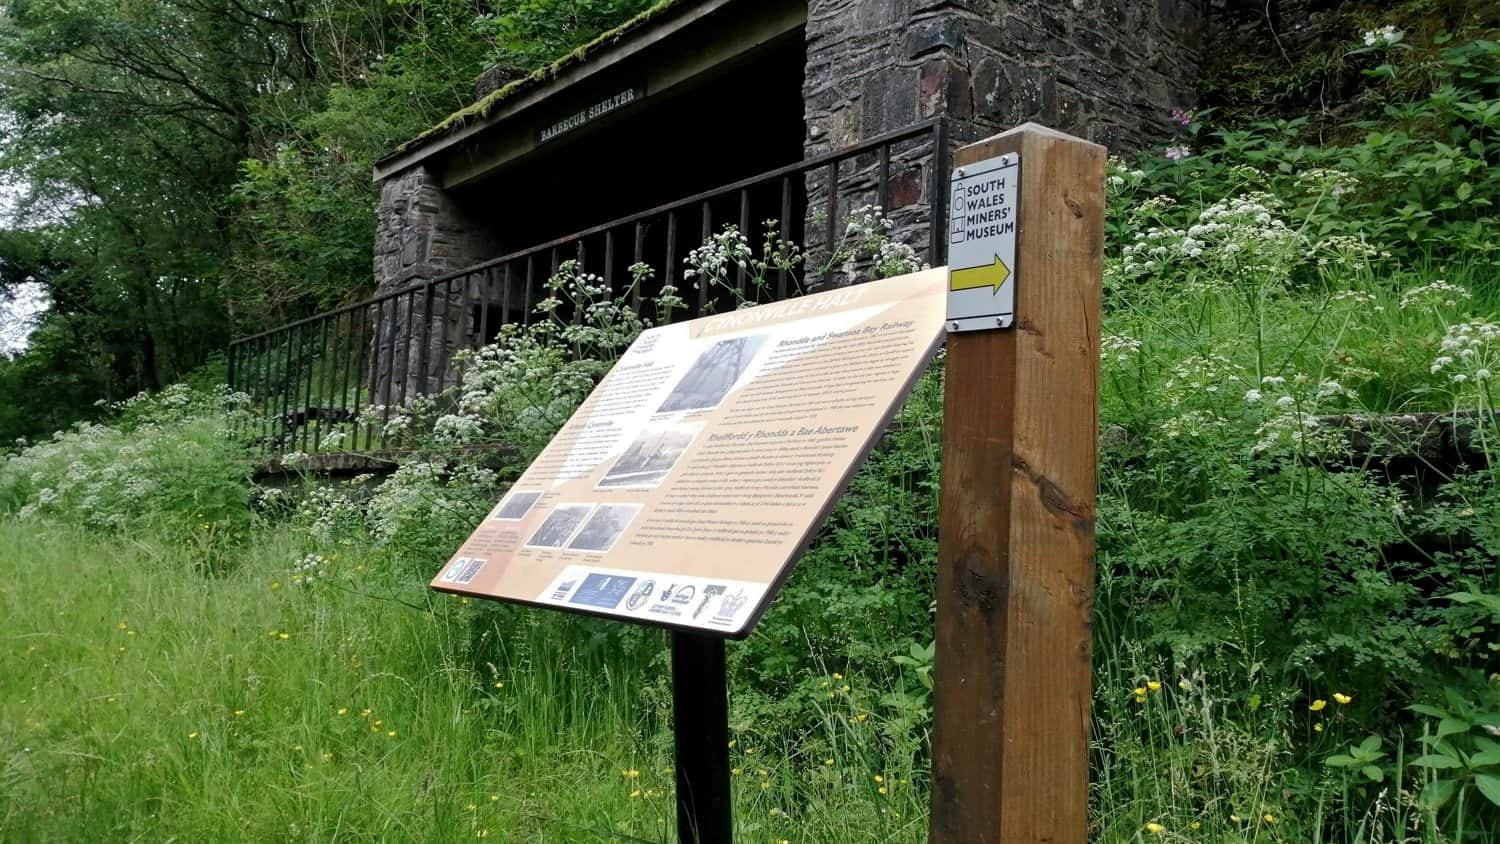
(142, 701)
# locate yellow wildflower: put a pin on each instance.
(1318, 727)
(1342, 699)
(879, 778)
(193, 734)
(1268, 817)
(837, 676)
(1195, 825)
(1184, 685)
(1317, 705)
(1153, 685)
(343, 710)
(239, 712)
(827, 761)
(1155, 828)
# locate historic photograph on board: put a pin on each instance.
(516, 505)
(604, 527)
(560, 526)
(647, 461)
(713, 375)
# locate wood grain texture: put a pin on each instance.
(1016, 533)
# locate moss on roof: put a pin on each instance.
(487, 105)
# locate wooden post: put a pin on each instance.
(1015, 578)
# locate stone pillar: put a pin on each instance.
(1105, 70)
(421, 233)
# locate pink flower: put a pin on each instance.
(1180, 117)
(1178, 153)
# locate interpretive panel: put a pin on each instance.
(684, 487)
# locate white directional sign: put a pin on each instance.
(983, 218)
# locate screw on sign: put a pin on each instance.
(984, 220)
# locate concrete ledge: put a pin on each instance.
(383, 462)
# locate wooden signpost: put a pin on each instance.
(684, 488)
(1016, 526)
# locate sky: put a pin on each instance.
(19, 308)
(18, 316)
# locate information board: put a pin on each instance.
(682, 490)
(982, 244)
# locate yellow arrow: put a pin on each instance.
(986, 275)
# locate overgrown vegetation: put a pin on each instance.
(189, 170)
(1298, 607)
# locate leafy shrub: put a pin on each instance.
(1418, 180)
(168, 462)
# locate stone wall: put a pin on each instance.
(1105, 70)
(1288, 25)
(420, 234)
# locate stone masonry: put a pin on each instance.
(1105, 70)
(420, 234)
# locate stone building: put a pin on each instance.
(697, 94)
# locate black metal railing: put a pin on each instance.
(311, 381)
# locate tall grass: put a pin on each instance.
(140, 700)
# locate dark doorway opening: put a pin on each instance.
(740, 122)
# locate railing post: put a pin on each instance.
(937, 199)
(1015, 578)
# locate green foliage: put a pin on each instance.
(531, 33)
(167, 463)
(1419, 178)
(191, 170)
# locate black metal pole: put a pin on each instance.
(700, 709)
